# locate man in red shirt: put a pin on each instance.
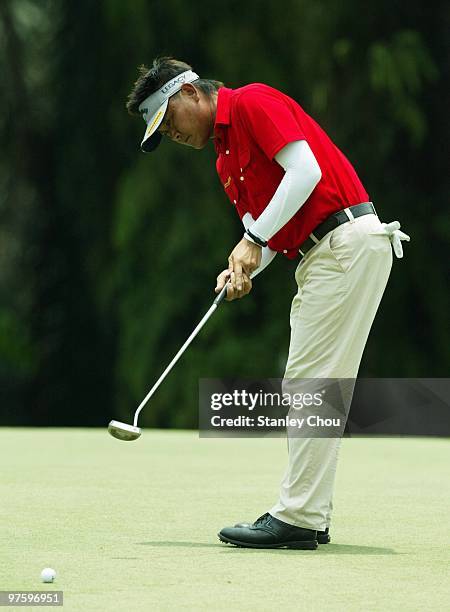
(296, 194)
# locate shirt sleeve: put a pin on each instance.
(269, 120)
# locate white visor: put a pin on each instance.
(154, 108)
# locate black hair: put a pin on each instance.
(162, 70)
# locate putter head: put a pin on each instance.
(123, 431)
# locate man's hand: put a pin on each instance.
(243, 260)
(232, 293)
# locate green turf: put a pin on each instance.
(132, 526)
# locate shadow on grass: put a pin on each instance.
(325, 549)
(179, 544)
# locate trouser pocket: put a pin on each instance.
(351, 244)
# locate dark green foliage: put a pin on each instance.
(108, 258)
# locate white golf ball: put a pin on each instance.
(48, 574)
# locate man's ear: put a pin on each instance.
(189, 90)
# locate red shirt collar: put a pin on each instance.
(222, 116)
(223, 106)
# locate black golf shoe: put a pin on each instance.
(323, 537)
(269, 532)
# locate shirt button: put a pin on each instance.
(227, 152)
(234, 202)
(241, 178)
(285, 251)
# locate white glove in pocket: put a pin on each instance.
(396, 236)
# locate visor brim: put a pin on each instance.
(151, 143)
(152, 137)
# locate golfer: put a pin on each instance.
(297, 195)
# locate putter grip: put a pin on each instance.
(221, 295)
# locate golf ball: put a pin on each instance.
(48, 574)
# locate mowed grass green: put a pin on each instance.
(132, 526)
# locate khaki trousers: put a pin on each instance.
(340, 285)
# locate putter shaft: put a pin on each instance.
(212, 309)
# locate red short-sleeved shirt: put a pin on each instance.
(252, 124)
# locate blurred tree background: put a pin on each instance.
(108, 257)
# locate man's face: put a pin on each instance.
(189, 119)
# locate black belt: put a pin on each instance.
(334, 221)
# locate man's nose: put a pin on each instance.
(176, 136)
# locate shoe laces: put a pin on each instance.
(261, 519)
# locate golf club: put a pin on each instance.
(125, 432)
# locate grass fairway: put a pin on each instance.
(132, 526)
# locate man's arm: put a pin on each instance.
(301, 176)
